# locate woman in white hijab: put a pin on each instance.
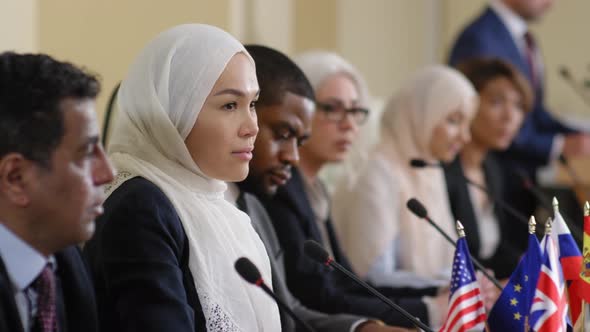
(164, 251)
(427, 118)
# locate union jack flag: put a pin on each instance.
(550, 306)
(466, 307)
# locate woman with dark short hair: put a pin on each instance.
(505, 98)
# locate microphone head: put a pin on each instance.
(418, 163)
(564, 72)
(315, 251)
(417, 208)
(247, 270)
(421, 163)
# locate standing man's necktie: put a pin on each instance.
(531, 57)
(44, 285)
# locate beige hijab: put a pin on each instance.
(371, 215)
(159, 102)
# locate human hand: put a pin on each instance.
(489, 291)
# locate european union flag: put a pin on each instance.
(512, 309)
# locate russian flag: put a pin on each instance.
(570, 258)
(567, 249)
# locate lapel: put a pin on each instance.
(294, 196)
(78, 303)
(490, 176)
(261, 224)
(464, 207)
(9, 315)
(494, 180)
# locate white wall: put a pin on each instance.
(19, 25)
(386, 39)
(106, 35)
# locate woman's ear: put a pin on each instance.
(15, 171)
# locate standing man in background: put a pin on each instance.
(502, 31)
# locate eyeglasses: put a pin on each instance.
(337, 112)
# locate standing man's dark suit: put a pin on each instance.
(314, 284)
(75, 296)
(488, 36)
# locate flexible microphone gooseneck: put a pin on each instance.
(420, 211)
(420, 163)
(576, 180)
(546, 204)
(567, 76)
(247, 270)
(316, 252)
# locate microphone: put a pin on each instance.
(420, 163)
(567, 76)
(316, 252)
(419, 210)
(247, 270)
(533, 189)
(572, 173)
(546, 203)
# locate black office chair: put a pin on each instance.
(108, 114)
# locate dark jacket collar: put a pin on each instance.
(9, 315)
(293, 194)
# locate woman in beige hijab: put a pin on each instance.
(427, 118)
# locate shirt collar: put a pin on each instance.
(232, 193)
(513, 22)
(23, 263)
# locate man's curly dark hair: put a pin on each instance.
(32, 87)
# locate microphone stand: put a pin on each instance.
(316, 252)
(566, 75)
(413, 203)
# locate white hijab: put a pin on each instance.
(407, 125)
(319, 66)
(159, 102)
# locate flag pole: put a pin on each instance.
(580, 325)
(585, 307)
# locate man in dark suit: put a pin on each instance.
(285, 109)
(321, 322)
(502, 31)
(52, 169)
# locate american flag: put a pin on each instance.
(466, 308)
